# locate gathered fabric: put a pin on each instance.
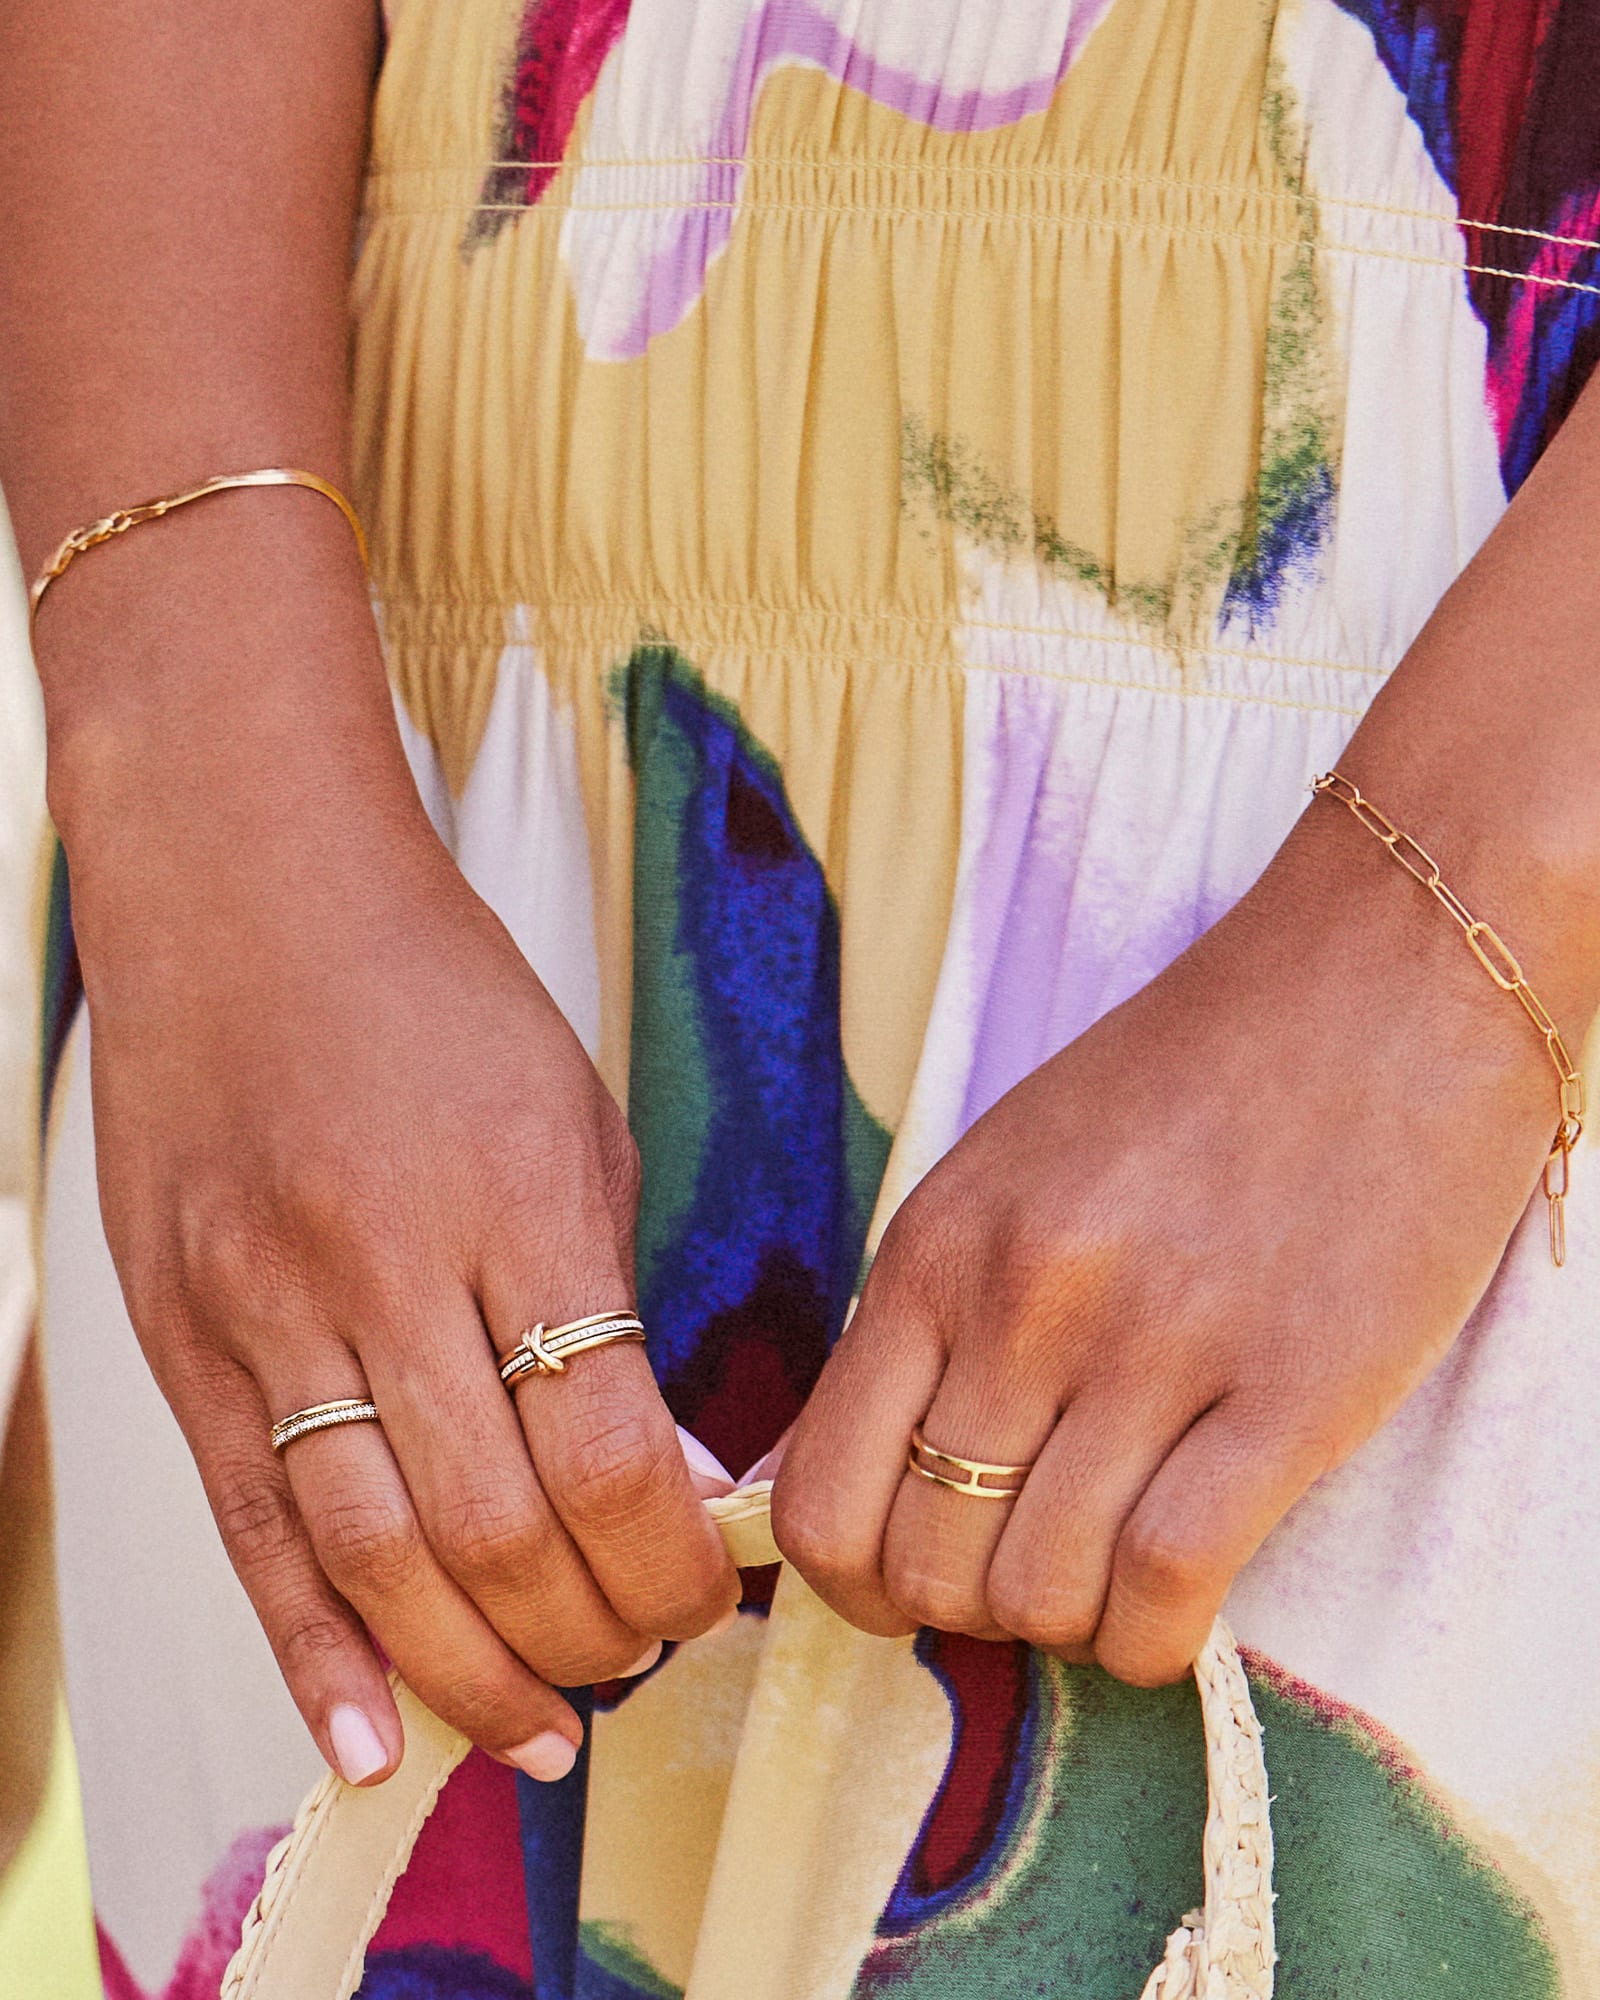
(879, 511)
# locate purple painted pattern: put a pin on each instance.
(801, 32)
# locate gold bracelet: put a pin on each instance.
(152, 510)
(1500, 963)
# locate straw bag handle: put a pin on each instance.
(328, 1883)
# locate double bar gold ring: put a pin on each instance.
(546, 1350)
(972, 1476)
(323, 1417)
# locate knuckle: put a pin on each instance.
(616, 1467)
(308, 1638)
(477, 1705)
(491, 1536)
(934, 1600)
(368, 1544)
(623, 1167)
(927, 1239)
(1047, 1620)
(257, 1520)
(223, 1250)
(573, 1663)
(1162, 1566)
(1143, 1661)
(806, 1539)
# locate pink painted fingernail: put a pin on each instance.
(546, 1757)
(357, 1746)
(699, 1459)
(644, 1663)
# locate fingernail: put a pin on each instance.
(546, 1757)
(644, 1663)
(725, 1623)
(700, 1460)
(357, 1746)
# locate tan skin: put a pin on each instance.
(346, 1139)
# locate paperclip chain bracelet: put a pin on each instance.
(125, 518)
(1500, 963)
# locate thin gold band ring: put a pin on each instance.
(323, 1417)
(975, 1477)
(546, 1350)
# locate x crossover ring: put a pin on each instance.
(323, 1417)
(546, 1350)
(965, 1475)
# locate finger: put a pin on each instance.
(1049, 1575)
(1203, 1515)
(608, 1455)
(845, 1459)
(370, 1544)
(938, 1543)
(327, 1661)
(461, 1451)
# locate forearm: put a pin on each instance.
(178, 191)
(1486, 741)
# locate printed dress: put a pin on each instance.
(880, 507)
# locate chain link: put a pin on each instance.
(1500, 962)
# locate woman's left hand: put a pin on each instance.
(1182, 1269)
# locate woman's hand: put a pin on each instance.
(1185, 1267)
(346, 1142)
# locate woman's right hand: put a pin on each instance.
(346, 1143)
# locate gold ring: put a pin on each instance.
(977, 1477)
(546, 1350)
(323, 1417)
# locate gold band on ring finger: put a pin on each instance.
(323, 1417)
(975, 1477)
(546, 1350)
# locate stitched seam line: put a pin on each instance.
(1178, 689)
(1086, 176)
(1143, 225)
(702, 607)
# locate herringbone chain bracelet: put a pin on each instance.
(1501, 965)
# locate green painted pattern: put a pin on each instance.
(1380, 1897)
(670, 1102)
(612, 1951)
(1248, 546)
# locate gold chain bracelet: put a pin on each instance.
(125, 518)
(1500, 963)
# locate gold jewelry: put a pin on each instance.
(977, 1478)
(546, 1350)
(323, 1417)
(1500, 963)
(152, 510)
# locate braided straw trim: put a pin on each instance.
(305, 1936)
(328, 1883)
(1226, 1952)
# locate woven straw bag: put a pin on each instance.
(327, 1885)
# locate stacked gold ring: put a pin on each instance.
(323, 1417)
(972, 1476)
(546, 1350)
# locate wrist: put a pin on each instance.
(1518, 857)
(202, 660)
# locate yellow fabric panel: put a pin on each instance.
(817, 1825)
(791, 484)
(659, 1770)
(47, 1943)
